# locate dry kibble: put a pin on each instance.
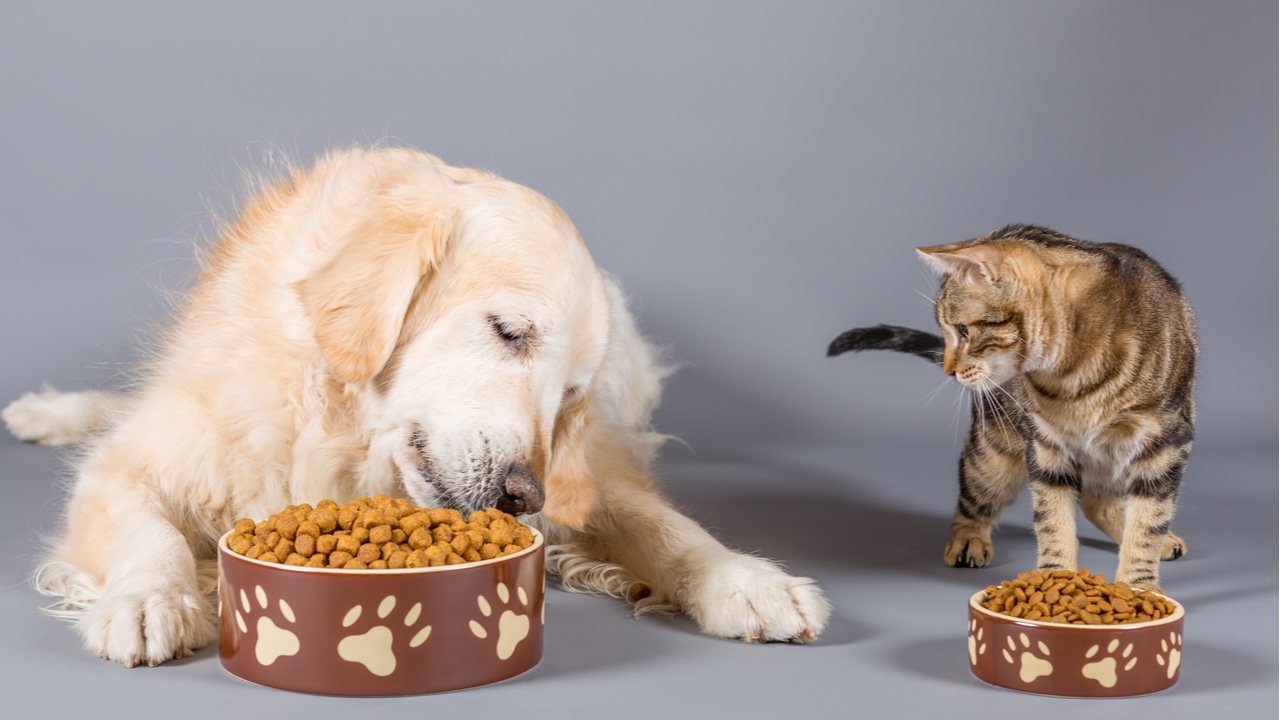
(1060, 596)
(287, 526)
(349, 544)
(386, 533)
(239, 544)
(369, 552)
(284, 548)
(380, 535)
(305, 545)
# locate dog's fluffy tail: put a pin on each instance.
(56, 418)
(889, 337)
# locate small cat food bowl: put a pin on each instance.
(1074, 660)
(380, 632)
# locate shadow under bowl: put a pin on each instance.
(381, 632)
(1074, 660)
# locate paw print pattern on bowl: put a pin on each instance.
(1031, 666)
(273, 641)
(974, 648)
(374, 648)
(512, 627)
(1173, 648)
(1104, 670)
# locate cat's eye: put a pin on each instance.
(963, 330)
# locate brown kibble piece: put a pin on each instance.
(369, 552)
(245, 526)
(326, 544)
(349, 544)
(420, 539)
(460, 544)
(287, 526)
(346, 517)
(305, 545)
(239, 544)
(380, 535)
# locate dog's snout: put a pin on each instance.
(521, 493)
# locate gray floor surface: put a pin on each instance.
(868, 523)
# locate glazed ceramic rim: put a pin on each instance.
(223, 548)
(978, 597)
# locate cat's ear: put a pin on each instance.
(988, 261)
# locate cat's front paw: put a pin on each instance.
(1174, 547)
(970, 551)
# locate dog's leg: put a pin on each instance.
(729, 594)
(56, 418)
(128, 575)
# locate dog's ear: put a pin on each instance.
(569, 487)
(359, 295)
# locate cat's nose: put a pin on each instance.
(521, 492)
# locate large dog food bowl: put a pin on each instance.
(1074, 660)
(380, 632)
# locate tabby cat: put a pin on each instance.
(1081, 359)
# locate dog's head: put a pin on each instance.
(465, 315)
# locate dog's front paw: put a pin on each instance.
(148, 627)
(753, 599)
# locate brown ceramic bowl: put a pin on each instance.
(1074, 660)
(380, 632)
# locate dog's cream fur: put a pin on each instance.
(385, 323)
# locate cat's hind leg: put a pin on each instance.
(1151, 492)
(1106, 511)
(992, 473)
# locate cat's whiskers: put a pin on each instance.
(929, 398)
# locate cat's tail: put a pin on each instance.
(889, 337)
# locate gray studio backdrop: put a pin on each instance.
(757, 176)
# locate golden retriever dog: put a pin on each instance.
(386, 323)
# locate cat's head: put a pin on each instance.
(989, 306)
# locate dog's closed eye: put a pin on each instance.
(516, 337)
